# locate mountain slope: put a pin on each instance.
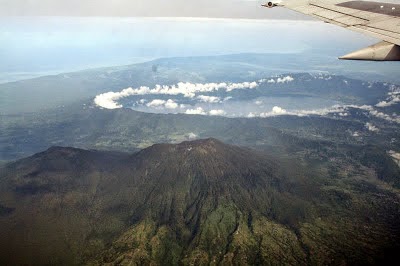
(201, 202)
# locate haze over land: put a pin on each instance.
(34, 46)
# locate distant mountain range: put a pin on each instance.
(198, 202)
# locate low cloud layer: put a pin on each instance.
(218, 99)
(340, 110)
(197, 111)
(110, 100)
(192, 136)
(169, 104)
(286, 79)
(393, 97)
(217, 112)
(395, 156)
(209, 99)
(371, 127)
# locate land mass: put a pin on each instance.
(200, 202)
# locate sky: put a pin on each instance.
(150, 8)
(145, 8)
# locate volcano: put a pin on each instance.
(198, 202)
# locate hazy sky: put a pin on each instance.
(149, 8)
(152, 8)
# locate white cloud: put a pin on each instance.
(170, 104)
(192, 136)
(395, 156)
(228, 98)
(109, 100)
(244, 85)
(217, 112)
(209, 99)
(383, 104)
(278, 110)
(393, 97)
(371, 127)
(362, 107)
(286, 79)
(392, 100)
(197, 111)
(394, 118)
(199, 92)
(341, 110)
(356, 134)
(251, 115)
(156, 103)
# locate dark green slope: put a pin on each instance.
(200, 202)
(56, 202)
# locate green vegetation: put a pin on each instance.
(200, 202)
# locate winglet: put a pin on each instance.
(382, 51)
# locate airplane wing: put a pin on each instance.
(379, 20)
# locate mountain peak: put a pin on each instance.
(209, 145)
(196, 202)
(202, 150)
(206, 161)
(208, 141)
(67, 151)
(205, 143)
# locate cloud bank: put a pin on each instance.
(340, 110)
(197, 111)
(192, 99)
(109, 100)
(217, 112)
(286, 79)
(209, 99)
(393, 97)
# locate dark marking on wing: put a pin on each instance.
(374, 7)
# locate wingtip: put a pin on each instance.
(382, 51)
(346, 57)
